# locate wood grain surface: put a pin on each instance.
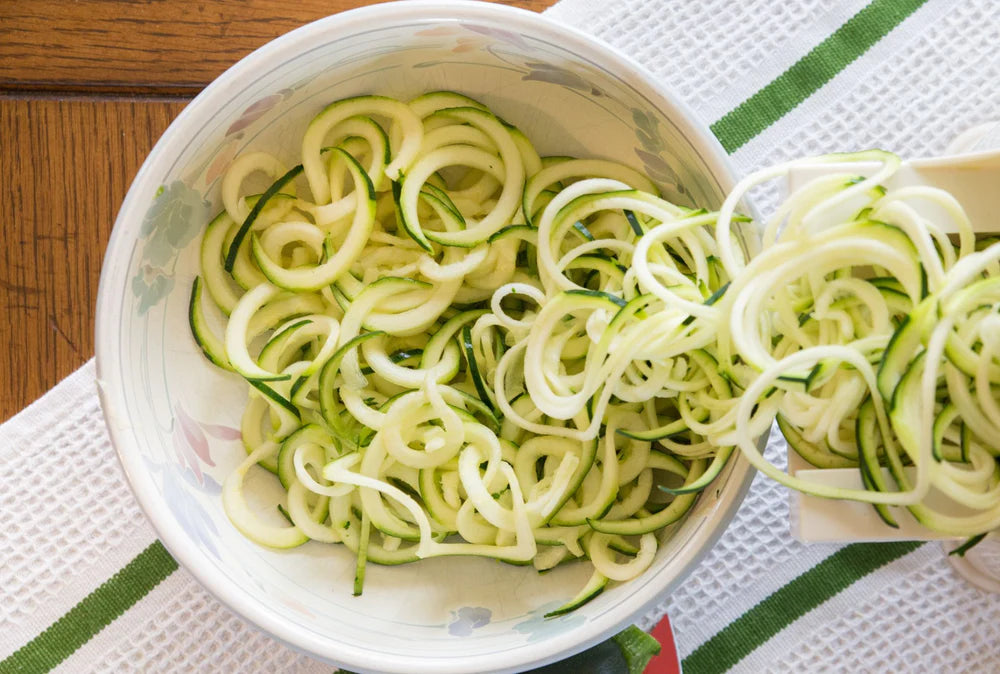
(86, 88)
(144, 46)
(63, 176)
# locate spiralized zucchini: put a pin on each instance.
(873, 335)
(456, 347)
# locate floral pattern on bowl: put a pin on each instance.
(467, 619)
(172, 222)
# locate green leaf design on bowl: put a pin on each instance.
(150, 286)
(174, 220)
(652, 146)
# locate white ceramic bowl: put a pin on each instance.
(174, 418)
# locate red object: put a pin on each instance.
(666, 662)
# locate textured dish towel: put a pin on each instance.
(774, 80)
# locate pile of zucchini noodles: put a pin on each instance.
(869, 325)
(456, 347)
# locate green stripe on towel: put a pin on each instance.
(118, 594)
(812, 71)
(789, 603)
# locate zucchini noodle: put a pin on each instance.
(457, 347)
(874, 336)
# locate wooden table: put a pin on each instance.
(86, 88)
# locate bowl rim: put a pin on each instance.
(110, 380)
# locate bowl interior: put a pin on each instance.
(175, 418)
